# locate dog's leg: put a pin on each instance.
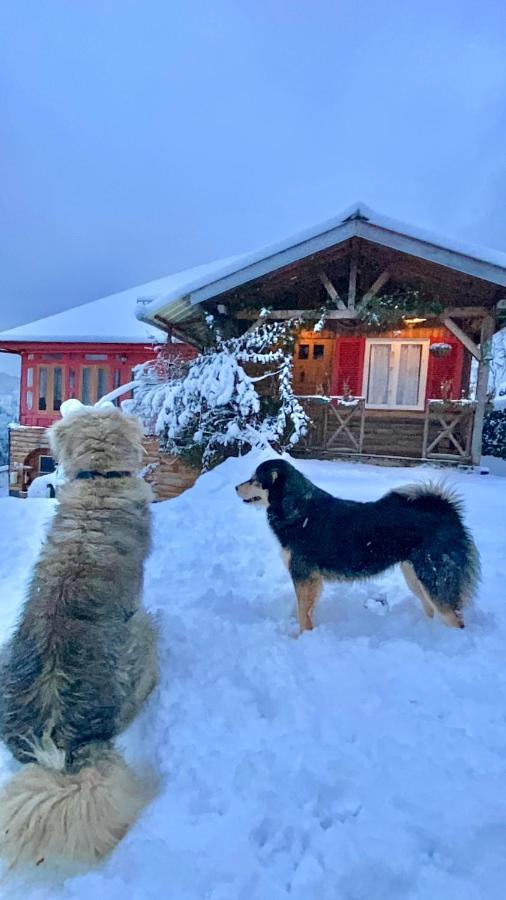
(452, 617)
(141, 667)
(416, 586)
(308, 592)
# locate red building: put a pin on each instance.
(84, 353)
(395, 318)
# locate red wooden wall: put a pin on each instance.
(348, 366)
(72, 358)
(449, 367)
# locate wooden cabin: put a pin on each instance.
(84, 353)
(375, 391)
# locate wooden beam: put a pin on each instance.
(352, 283)
(462, 336)
(346, 313)
(331, 291)
(487, 330)
(376, 286)
(467, 312)
(300, 314)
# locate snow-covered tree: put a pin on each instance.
(497, 381)
(210, 407)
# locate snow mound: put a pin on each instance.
(41, 486)
(363, 760)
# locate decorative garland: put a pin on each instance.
(389, 310)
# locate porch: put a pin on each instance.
(344, 428)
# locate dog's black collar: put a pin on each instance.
(86, 474)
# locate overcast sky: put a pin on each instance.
(145, 136)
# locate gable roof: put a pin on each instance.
(194, 286)
(108, 320)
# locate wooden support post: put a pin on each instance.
(487, 330)
(256, 323)
(352, 284)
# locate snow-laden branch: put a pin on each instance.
(210, 407)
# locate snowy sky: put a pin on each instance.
(145, 136)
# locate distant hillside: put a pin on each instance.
(9, 407)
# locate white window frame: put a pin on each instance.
(396, 344)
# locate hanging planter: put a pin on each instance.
(440, 349)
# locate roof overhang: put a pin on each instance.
(179, 307)
(16, 340)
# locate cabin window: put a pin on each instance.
(395, 374)
(72, 383)
(98, 357)
(303, 351)
(46, 465)
(116, 381)
(318, 351)
(94, 384)
(101, 382)
(86, 386)
(29, 388)
(42, 389)
(50, 389)
(57, 388)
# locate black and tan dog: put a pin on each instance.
(325, 538)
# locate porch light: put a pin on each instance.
(415, 320)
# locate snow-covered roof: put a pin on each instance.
(111, 319)
(198, 285)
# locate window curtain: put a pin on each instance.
(379, 374)
(409, 374)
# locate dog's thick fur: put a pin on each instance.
(82, 659)
(323, 537)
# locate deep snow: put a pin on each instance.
(364, 761)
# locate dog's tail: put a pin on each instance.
(450, 545)
(49, 813)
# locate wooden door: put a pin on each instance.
(312, 363)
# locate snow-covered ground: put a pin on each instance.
(364, 761)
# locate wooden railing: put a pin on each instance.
(443, 431)
(337, 423)
(448, 430)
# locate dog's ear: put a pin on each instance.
(268, 475)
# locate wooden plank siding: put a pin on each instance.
(393, 434)
(167, 474)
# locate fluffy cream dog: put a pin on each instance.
(82, 659)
